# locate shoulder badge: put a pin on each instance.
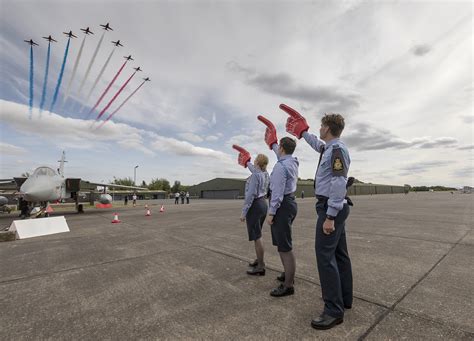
(338, 165)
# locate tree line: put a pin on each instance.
(156, 184)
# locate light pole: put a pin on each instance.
(135, 176)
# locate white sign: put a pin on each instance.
(38, 227)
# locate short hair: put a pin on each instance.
(262, 161)
(288, 145)
(335, 122)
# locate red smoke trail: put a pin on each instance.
(121, 105)
(107, 89)
(115, 96)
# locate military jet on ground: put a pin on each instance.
(87, 31)
(117, 43)
(47, 185)
(31, 42)
(107, 27)
(50, 39)
(70, 34)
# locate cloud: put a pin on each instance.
(191, 137)
(366, 137)
(422, 167)
(9, 149)
(283, 85)
(421, 50)
(469, 147)
(467, 118)
(81, 134)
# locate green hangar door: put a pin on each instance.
(220, 194)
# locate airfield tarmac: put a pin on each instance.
(181, 274)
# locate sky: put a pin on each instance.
(400, 72)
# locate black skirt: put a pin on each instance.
(256, 218)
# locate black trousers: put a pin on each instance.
(334, 264)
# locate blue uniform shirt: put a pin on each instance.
(255, 187)
(331, 176)
(283, 179)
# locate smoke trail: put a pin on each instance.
(60, 78)
(115, 96)
(31, 80)
(91, 63)
(107, 89)
(97, 79)
(74, 70)
(45, 82)
(121, 105)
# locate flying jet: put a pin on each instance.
(107, 27)
(48, 185)
(70, 34)
(50, 39)
(128, 58)
(87, 31)
(147, 79)
(117, 43)
(137, 69)
(31, 42)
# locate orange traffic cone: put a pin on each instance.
(162, 209)
(148, 212)
(49, 209)
(116, 219)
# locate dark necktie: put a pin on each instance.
(323, 148)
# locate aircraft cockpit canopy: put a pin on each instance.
(44, 171)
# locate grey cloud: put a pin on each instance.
(464, 172)
(283, 84)
(421, 50)
(467, 118)
(365, 137)
(421, 167)
(468, 147)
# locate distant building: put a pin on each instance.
(467, 189)
(228, 188)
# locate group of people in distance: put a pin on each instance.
(332, 209)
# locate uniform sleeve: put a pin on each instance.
(337, 192)
(250, 194)
(313, 141)
(277, 186)
(251, 167)
(275, 148)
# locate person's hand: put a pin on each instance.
(270, 220)
(296, 124)
(242, 218)
(328, 227)
(244, 155)
(270, 131)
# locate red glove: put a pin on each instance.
(244, 155)
(296, 124)
(270, 132)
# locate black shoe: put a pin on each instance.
(282, 291)
(256, 272)
(326, 322)
(254, 263)
(347, 306)
(281, 278)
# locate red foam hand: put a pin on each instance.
(270, 132)
(296, 124)
(244, 155)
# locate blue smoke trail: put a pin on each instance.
(31, 80)
(56, 91)
(45, 82)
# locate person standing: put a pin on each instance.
(187, 197)
(181, 194)
(334, 264)
(283, 208)
(134, 198)
(255, 206)
(176, 198)
(302, 194)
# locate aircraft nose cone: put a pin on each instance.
(37, 194)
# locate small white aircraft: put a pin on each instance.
(47, 185)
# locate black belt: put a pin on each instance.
(325, 199)
(292, 195)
